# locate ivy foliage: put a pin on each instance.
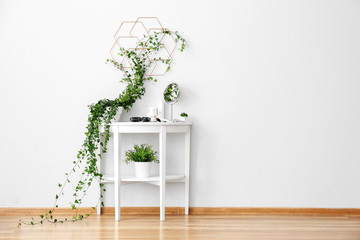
(100, 116)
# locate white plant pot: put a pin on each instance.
(118, 115)
(142, 169)
(183, 119)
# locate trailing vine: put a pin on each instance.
(100, 116)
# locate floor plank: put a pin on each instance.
(270, 227)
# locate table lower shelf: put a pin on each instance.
(155, 180)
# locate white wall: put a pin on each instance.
(272, 88)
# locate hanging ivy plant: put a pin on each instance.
(100, 116)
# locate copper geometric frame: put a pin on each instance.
(141, 21)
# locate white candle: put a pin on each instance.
(161, 109)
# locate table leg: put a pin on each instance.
(162, 158)
(117, 174)
(98, 210)
(187, 171)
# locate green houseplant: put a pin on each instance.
(100, 116)
(142, 156)
(183, 116)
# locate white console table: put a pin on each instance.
(162, 129)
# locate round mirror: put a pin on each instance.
(171, 96)
(172, 93)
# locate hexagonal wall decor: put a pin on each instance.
(130, 33)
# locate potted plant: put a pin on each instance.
(183, 116)
(142, 156)
(101, 115)
(117, 117)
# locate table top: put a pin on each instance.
(151, 124)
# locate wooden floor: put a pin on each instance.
(190, 227)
